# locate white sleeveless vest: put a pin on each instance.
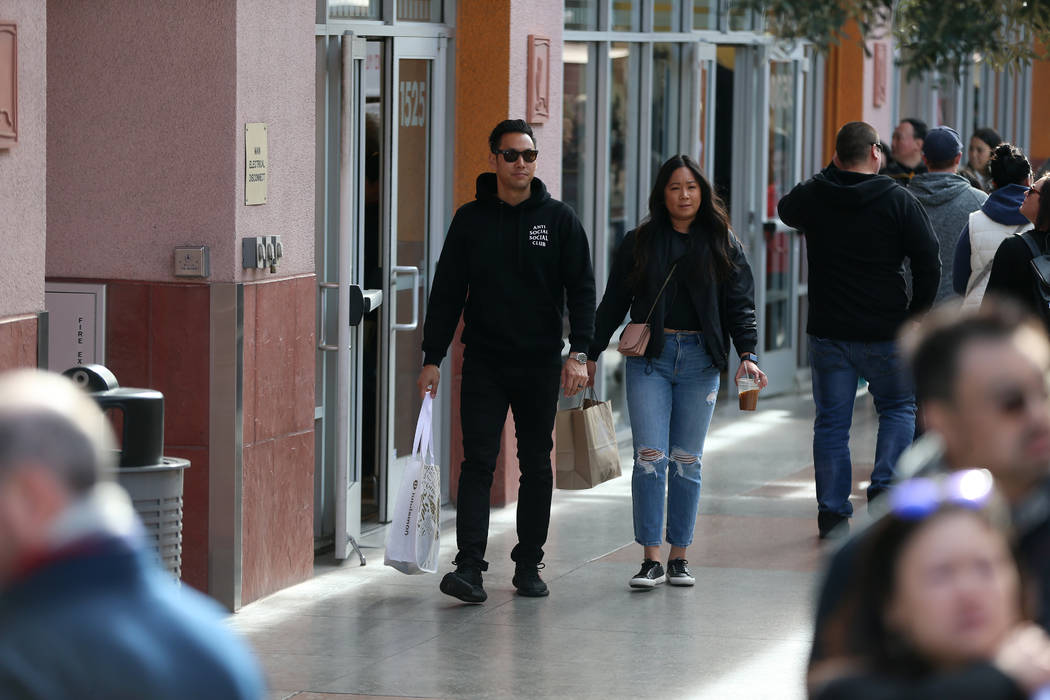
(985, 237)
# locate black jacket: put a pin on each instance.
(518, 264)
(979, 681)
(1012, 275)
(726, 309)
(902, 174)
(859, 229)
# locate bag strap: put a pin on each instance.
(1029, 239)
(423, 442)
(664, 286)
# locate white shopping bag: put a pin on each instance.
(412, 541)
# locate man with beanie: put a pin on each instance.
(859, 228)
(512, 261)
(947, 196)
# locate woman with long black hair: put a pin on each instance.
(684, 271)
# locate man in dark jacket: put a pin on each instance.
(85, 610)
(946, 196)
(908, 139)
(859, 229)
(511, 260)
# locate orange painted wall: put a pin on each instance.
(844, 91)
(1039, 148)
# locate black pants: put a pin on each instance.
(532, 394)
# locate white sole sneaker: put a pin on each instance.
(647, 582)
(681, 580)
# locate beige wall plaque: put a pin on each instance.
(538, 80)
(256, 159)
(8, 84)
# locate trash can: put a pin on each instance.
(154, 482)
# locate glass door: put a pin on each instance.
(413, 209)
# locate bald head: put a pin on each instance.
(46, 422)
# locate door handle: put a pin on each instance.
(414, 271)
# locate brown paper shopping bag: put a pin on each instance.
(587, 451)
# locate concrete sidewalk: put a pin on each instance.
(742, 632)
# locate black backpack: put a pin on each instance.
(1040, 266)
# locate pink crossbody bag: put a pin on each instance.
(635, 337)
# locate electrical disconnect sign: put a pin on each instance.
(256, 158)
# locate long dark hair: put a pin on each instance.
(859, 628)
(710, 228)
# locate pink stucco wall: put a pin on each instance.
(879, 117)
(543, 17)
(141, 134)
(22, 168)
(276, 74)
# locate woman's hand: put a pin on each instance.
(749, 367)
(592, 368)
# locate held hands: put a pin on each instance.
(749, 367)
(428, 380)
(573, 377)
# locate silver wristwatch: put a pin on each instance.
(580, 357)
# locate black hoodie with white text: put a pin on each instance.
(512, 270)
(859, 228)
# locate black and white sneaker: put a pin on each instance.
(678, 573)
(651, 574)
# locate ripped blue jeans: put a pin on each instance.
(670, 399)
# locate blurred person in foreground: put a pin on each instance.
(981, 385)
(936, 611)
(85, 609)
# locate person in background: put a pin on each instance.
(683, 264)
(983, 142)
(981, 384)
(1011, 273)
(514, 259)
(85, 609)
(936, 610)
(997, 219)
(906, 149)
(860, 228)
(945, 195)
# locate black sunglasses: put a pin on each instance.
(1031, 190)
(511, 156)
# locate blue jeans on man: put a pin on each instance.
(836, 366)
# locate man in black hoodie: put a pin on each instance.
(512, 260)
(859, 228)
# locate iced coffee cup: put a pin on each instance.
(747, 389)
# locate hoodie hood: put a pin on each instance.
(849, 189)
(486, 191)
(935, 189)
(1002, 205)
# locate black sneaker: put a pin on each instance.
(528, 582)
(678, 573)
(832, 526)
(464, 583)
(651, 574)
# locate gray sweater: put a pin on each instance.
(948, 199)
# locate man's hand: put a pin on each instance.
(428, 380)
(592, 369)
(573, 377)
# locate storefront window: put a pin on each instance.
(419, 10)
(740, 20)
(576, 169)
(705, 14)
(581, 15)
(667, 96)
(624, 109)
(782, 126)
(667, 16)
(626, 15)
(354, 9)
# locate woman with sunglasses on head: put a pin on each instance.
(936, 608)
(1011, 272)
(684, 273)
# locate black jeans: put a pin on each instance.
(532, 394)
